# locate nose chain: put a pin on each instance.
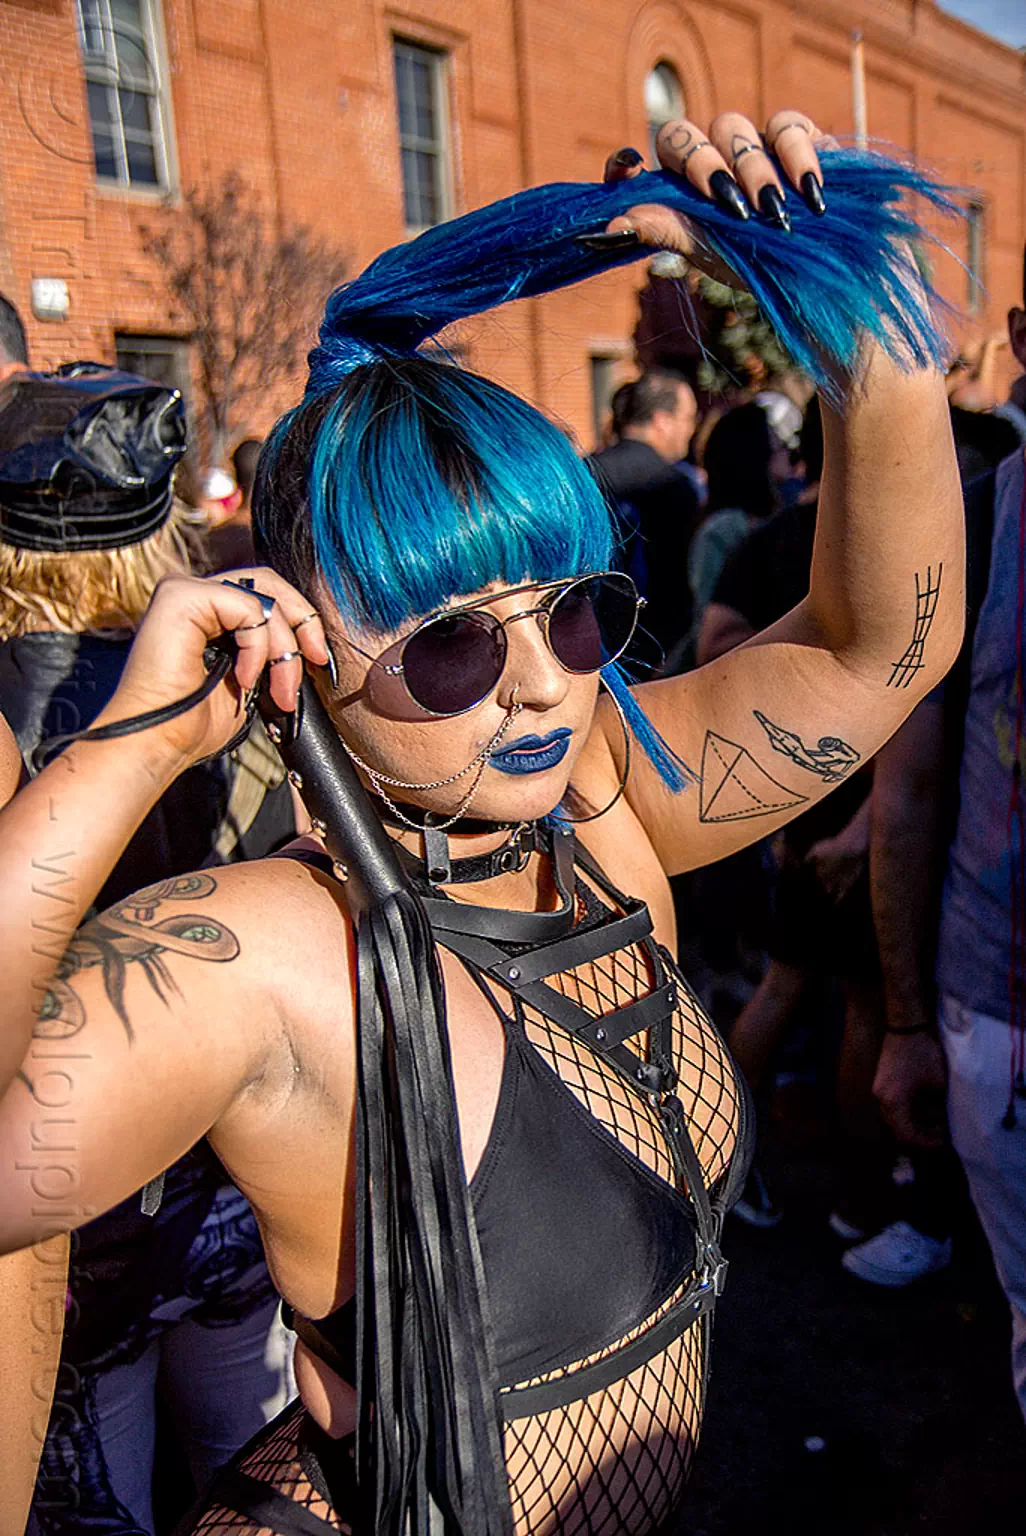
(480, 762)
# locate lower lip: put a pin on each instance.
(537, 761)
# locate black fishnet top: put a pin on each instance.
(620, 1139)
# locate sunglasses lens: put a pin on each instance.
(453, 663)
(592, 621)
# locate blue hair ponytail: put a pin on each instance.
(415, 476)
(822, 286)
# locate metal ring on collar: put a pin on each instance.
(276, 661)
(746, 149)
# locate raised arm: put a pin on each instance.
(769, 728)
(126, 1040)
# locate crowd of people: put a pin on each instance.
(886, 889)
(902, 888)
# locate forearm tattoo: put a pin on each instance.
(927, 595)
(831, 758)
(735, 788)
(129, 933)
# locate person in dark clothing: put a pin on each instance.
(654, 419)
(822, 921)
(87, 530)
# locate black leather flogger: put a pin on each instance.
(429, 1454)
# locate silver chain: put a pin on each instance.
(480, 762)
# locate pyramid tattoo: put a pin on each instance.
(735, 788)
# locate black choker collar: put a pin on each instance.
(438, 868)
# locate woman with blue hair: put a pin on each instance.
(487, 1130)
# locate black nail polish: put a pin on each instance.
(771, 206)
(332, 666)
(628, 158)
(728, 194)
(813, 192)
(609, 244)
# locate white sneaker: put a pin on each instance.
(899, 1255)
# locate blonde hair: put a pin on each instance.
(92, 589)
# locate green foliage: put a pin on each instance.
(741, 344)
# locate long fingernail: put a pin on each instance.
(813, 192)
(628, 158)
(332, 666)
(771, 206)
(619, 240)
(728, 194)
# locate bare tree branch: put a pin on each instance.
(251, 294)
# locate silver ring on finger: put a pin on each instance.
(781, 131)
(746, 149)
(702, 144)
(261, 624)
(276, 661)
(246, 585)
(306, 619)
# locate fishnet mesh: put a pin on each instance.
(273, 1457)
(615, 1461)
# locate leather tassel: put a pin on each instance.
(429, 1443)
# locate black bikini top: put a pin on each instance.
(581, 1239)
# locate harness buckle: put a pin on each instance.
(714, 1269)
(513, 858)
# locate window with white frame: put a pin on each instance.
(420, 82)
(664, 100)
(122, 57)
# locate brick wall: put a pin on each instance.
(298, 95)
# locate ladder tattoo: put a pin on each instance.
(927, 593)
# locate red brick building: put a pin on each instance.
(363, 118)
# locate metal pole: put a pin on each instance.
(858, 91)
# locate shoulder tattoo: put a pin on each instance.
(135, 932)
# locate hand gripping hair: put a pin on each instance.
(401, 481)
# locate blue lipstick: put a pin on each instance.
(533, 754)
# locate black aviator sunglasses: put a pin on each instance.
(453, 660)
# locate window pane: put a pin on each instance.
(103, 154)
(423, 99)
(127, 13)
(99, 105)
(160, 361)
(134, 64)
(136, 110)
(142, 163)
(420, 133)
(91, 26)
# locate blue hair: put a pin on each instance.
(423, 481)
(434, 482)
(821, 286)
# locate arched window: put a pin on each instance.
(664, 99)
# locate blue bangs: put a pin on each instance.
(428, 483)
